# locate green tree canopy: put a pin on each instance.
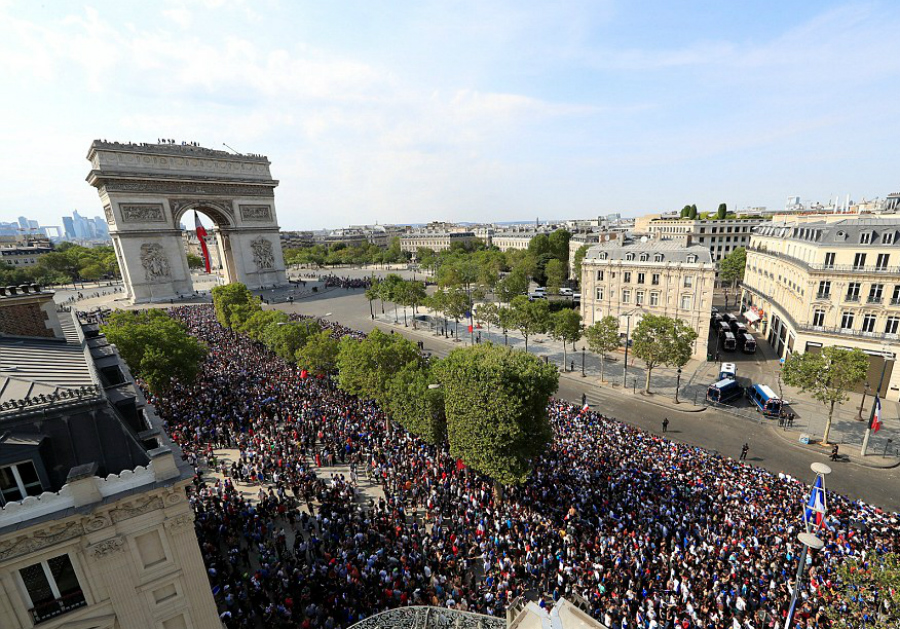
(732, 266)
(366, 366)
(559, 245)
(515, 283)
(496, 406)
(156, 347)
(285, 338)
(195, 261)
(828, 375)
(530, 317)
(415, 406)
(319, 354)
(254, 325)
(580, 253)
(556, 275)
(722, 212)
(233, 299)
(867, 593)
(565, 326)
(603, 337)
(659, 340)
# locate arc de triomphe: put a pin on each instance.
(147, 188)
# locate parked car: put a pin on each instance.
(565, 292)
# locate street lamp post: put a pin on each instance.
(625, 364)
(808, 540)
(582, 362)
(677, 385)
(862, 403)
(865, 443)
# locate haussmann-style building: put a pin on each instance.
(630, 279)
(828, 280)
(95, 529)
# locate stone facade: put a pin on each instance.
(817, 281)
(628, 281)
(721, 237)
(149, 187)
(436, 241)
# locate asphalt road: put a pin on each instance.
(710, 429)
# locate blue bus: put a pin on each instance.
(765, 400)
(724, 391)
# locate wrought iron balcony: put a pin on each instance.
(851, 298)
(51, 609)
(872, 299)
(895, 301)
(823, 295)
(831, 268)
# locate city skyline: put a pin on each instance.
(486, 113)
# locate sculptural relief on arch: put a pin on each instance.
(146, 189)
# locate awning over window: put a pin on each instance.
(751, 316)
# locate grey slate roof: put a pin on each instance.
(670, 250)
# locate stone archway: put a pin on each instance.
(147, 188)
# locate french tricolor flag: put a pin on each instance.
(876, 418)
(815, 508)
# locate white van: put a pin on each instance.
(565, 292)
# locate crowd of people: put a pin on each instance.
(335, 281)
(651, 533)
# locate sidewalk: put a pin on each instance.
(663, 380)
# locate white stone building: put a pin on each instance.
(828, 280)
(629, 280)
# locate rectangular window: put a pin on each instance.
(876, 292)
(688, 281)
(887, 238)
(824, 289)
(18, 481)
(640, 278)
(626, 296)
(639, 297)
(654, 299)
(895, 298)
(626, 277)
(859, 261)
(829, 260)
(818, 318)
(686, 302)
(865, 238)
(599, 276)
(52, 587)
(891, 325)
(882, 263)
(868, 323)
(654, 279)
(600, 294)
(847, 321)
(852, 291)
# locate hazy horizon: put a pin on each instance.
(410, 112)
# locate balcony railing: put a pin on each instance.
(823, 295)
(874, 300)
(895, 301)
(851, 298)
(836, 268)
(51, 609)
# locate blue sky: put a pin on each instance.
(410, 111)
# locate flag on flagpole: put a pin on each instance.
(815, 508)
(876, 418)
(201, 236)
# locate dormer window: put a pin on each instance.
(603, 256)
(865, 238)
(18, 481)
(692, 258)
(629, 256)
(658, 257)
(645, 257)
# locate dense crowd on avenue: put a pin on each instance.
(335, 281)
(653, 534)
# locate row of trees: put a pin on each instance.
(68, 263)
(690, 211)
(488, 402)
(340, 253)
(303, 342)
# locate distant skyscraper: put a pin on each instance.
(69, 227)
(23, 222)
(100, 228)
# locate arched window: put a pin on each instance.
(629, 256)
(645, 257)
